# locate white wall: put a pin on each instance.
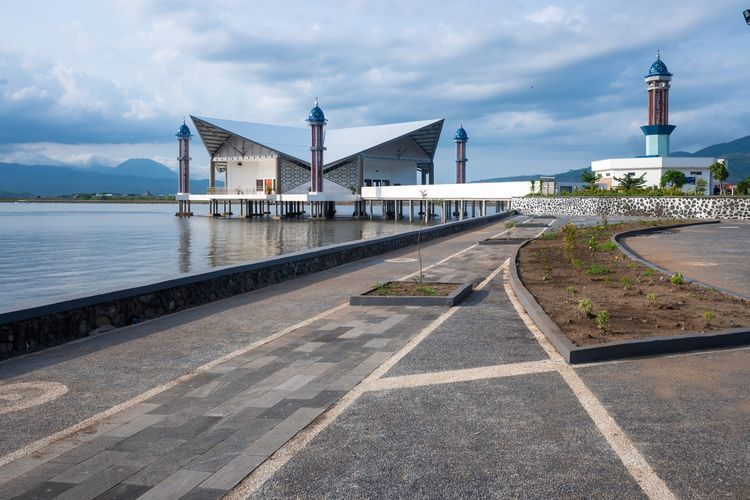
(473, 191)
(653, 168)
(396, 171)
(245, 175)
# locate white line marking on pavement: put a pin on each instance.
(631, 458)
(41, 443)
(22, 395)
(276, 461)
(453, 376)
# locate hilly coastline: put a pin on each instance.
(737, 154)
(135, 176)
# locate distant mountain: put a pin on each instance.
(144, 167)
(41, 180)
(737, 154)
(569, 176)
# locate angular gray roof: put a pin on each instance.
(295, 141)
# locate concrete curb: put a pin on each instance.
(574, 354)
(634, 255)
(455, 298)
(503, 241)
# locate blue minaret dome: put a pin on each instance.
(316, 114)
(658, 68)
(461, 134)
(184, 131)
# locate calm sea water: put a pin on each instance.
(52, 251)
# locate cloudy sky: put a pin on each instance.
(541, 87)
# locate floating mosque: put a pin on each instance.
(656, 161)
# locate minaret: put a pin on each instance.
(317, 121)
(460, 139)
(658, 129)
(183, 172)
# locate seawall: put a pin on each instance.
(31, 329)
(678, 207)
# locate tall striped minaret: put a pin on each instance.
(460, 139)
(658, 129)
(183, 172)
(317, 121)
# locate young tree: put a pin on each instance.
(673, 178)
(700, 186)
(533, 185)
(720, 173)
(590, 178)
(630, 182)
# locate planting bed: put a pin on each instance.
(412, 293)
(639, 302)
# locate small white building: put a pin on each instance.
(657, 160)
(653, 168)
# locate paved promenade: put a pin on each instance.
(289, 392)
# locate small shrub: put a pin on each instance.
(651, 296)
(607, 280)
(381, 288)
(632, 266)
(608, 246)
(708, 316)
(577, 263)
(592, 243)
(571, 289)
(547, 273)
(552, 235)
(677, 279)
(626, 282)
(602, 320)
(597, 270)
(569, 231)
(585, 306)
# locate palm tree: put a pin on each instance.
(590, 178)
(630, 182)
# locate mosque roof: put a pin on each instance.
(184, 131)
(461, 134)
(658, 68)
(340, 143)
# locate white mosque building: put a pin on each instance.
(657, 160)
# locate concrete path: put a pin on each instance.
(342, 401)
(716, 254)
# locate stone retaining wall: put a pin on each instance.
(35, 328)
(678, 207)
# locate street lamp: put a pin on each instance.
(747, 16)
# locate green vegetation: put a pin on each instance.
(720, 173)
(427, 290)
(677, 279)
(597, 270)
(585, 306)
(571, 289)
(626, 282)
(673, 178)
(602, 320)
(608, 246)
(590, 178)
(569, 232)
(630, 182)
(552, 235)
(708, 316)
(381, 288)
(651, 296)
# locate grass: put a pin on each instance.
(602, 320)
(427, 290)
(597, 270)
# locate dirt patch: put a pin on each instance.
(413, 289)
(596, 294)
